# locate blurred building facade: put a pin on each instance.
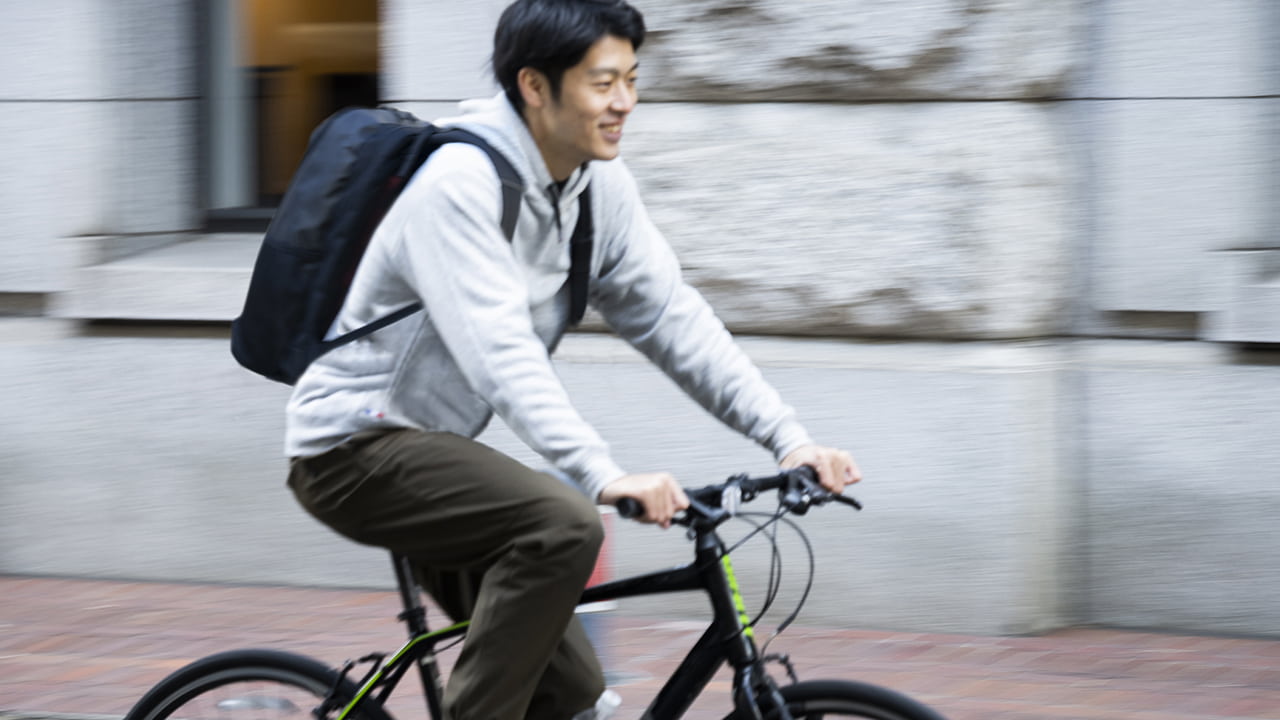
(1022, 257)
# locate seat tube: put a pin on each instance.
(415, 616)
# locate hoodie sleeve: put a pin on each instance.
(641, 293)
(458, 261)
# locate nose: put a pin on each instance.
(624, 98)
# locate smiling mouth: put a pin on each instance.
(615, 129)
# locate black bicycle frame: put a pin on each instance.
(729, 638)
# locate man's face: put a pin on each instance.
(596, 95)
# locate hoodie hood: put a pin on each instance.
(495, 120)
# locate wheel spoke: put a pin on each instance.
(248, 685)
(255, 700)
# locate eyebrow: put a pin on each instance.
(612, 72)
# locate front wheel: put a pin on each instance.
(819, 699)
(249, 685)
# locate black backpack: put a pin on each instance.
(355, 166)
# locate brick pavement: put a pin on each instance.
(90, 648)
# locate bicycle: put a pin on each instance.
(295, 682)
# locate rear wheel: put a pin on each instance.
(819, 699)
(248, 685)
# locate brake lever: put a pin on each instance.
(811, 492)
(851, 502)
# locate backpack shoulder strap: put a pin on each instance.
(580, 246)
(512, 196)
(512, 186)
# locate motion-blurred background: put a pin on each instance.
(1021, 256)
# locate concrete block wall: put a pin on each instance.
(1179, 114)
(1180, 493)
(98, 112)
(1010, 487)
(1184, 125)
(146, 455)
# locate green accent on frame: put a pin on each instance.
(395, 659)
(737, 597)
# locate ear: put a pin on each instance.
(534, 87)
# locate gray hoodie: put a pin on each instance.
(495, 310)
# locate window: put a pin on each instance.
(273, 70)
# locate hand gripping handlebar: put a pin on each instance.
(798, 491)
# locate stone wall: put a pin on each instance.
(801, 207)
(943, 220)
(851, 50)
(1005, 189)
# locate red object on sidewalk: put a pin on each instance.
(603, 571)
(592, 615)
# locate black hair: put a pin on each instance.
(552, 36)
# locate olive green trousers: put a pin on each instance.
(493, 541)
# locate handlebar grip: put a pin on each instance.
(629, 508)
(807, 472)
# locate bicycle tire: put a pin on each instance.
(247, 685)
(819, 699)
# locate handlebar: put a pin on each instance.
(798, 491)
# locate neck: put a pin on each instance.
(557, 164)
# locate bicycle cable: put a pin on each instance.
(808, 585)
(775, 566)
(774, 584)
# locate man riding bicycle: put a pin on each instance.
(380, 431)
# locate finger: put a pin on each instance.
(843, 470)
(654, 507)
(828, 473)
(670, 503)
(680, 499)
(672, 495)
(837, 476)
(855, 474)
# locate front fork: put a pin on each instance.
(756, 695)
